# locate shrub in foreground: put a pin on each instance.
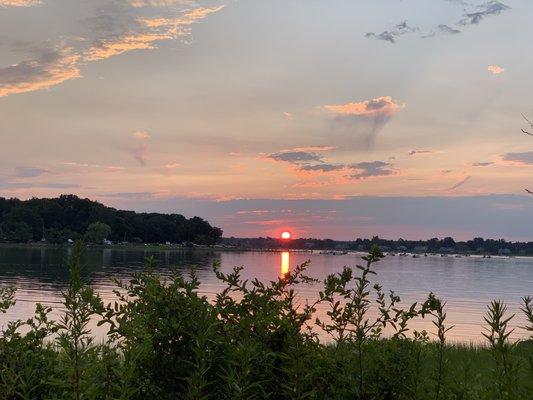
(256, 341)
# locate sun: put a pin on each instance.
(285, 235)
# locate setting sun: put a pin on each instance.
(286, 235)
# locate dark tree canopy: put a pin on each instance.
(446, 245)
(68, 217)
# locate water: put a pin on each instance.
(467, 283)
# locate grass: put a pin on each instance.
(255, 341)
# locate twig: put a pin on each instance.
(530, 124)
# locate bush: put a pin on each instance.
(254, 341)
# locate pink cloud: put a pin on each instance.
(140, 135)
(172, 165)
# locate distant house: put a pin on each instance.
(70, 241)
(107, 242)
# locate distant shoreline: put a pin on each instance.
(215, 248)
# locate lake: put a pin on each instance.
(466, 283)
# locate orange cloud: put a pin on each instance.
(19, 3)
(314, 148)
(495, 69)
(156, 30)
(379, 107)
(51, 68)
(158, 3)
(57, 65)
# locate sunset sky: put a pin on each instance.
(328, 118)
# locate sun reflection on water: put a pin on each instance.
(285, 264)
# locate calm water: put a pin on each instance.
(467, 283)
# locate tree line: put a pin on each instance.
(434, 245)
(69, 217)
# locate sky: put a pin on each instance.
(332, 118)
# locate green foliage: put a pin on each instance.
(528, 312)
(254, 340)
(97, 232)
(15, 231)
(497, 334)
(435, 307)
(68, 217)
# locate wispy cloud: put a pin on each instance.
(392, 35)
(460, 183)
(323, 167)
(482, 164)
(140, 151)
(30, 172)
(79, 164)
(173, 165)
(372, 169)
(416, 152)
(129, 195)
(489, 8)
(447, 30)
(149, 32)
(357, 124)
(525, 158)
(472, 15)
(37, 185)
(441, 29)
(52, 67)
(295, 157)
